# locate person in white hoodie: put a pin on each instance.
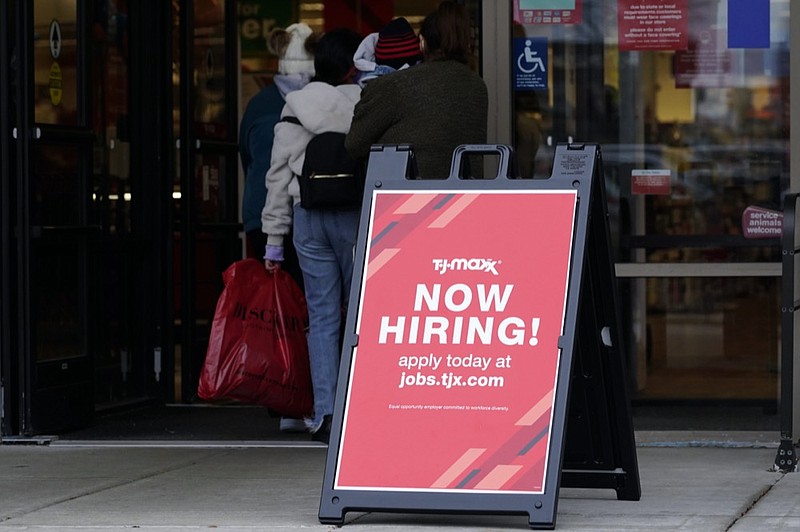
(324, 239)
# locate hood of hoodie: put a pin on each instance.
(364, 59)
(321, 107)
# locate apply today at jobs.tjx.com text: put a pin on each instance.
(458, 330)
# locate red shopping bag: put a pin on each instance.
(257, 351)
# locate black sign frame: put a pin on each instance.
(592, 443)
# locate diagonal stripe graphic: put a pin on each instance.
(534, 441)
(468, 478)
(415, 203)
(457, 468)
(385, 231)
(380, 261)
(497, 477)
(527, 448)
(444, 201)
(454, 210)
(536, 412)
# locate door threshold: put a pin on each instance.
(27, 440)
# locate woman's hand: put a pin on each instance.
(273, 256)
(271, 265)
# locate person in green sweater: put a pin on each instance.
(434, 106)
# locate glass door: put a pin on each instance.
(84, 210)
(206, 205)
(54, 236)
(9, 413)
(128, 197)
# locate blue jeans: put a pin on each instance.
(325, 243)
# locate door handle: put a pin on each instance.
(37, 231)
(550, 140)
(196, 144)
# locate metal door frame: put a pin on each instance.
(190, 144)
(8, 415)
(794, 184)
(20, 133)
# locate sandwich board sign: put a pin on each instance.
(462, 330)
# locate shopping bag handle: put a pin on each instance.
(506, 167)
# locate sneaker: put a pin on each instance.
(291, 425)
(323, 433)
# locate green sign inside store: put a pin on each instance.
(256, 19)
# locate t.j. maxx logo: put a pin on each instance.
(476, 265)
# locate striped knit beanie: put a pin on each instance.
(397, 45)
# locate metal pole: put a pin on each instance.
(786, 459)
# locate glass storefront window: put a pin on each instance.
(209, 69)
(689, 102)
(110, 117)
(713, 120)
(710, 338)
(55, 56)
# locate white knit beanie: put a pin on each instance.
(296, 59)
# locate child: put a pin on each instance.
(395, 47)
(435, 106)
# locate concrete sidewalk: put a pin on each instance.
(699, 482)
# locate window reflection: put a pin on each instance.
(693, 133)
(55, 62)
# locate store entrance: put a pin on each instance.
(83, 263)
(120, 203)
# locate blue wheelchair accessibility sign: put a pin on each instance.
(530, 63)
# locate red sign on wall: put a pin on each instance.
(656, 182)
(652, 25)
(452, 382)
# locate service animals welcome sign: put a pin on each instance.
(451, 386)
